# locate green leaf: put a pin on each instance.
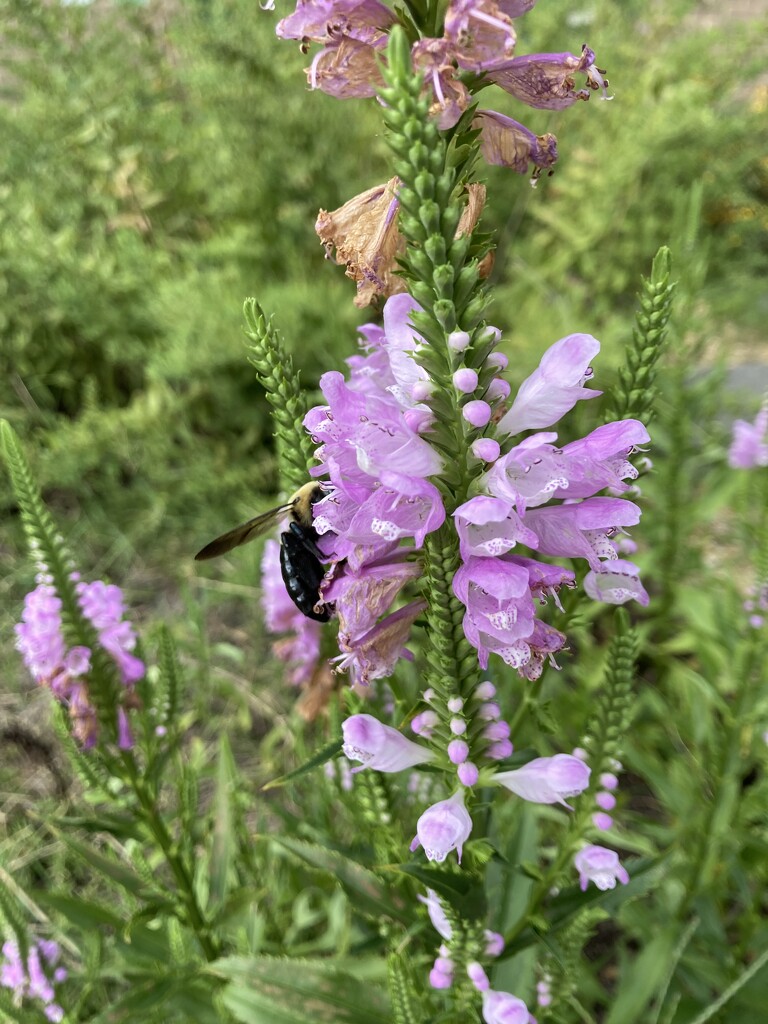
(119, 825)
(370, 894)
(223, 850)
(640, 984)
(461, 891)
(327, 752)
(145, 995)
(80, 912)
(106, 866)
(269, 990)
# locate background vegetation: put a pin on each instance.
(159, 164)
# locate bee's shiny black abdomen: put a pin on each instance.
(302, 570)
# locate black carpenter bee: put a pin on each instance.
(300, 558)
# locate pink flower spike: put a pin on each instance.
(380, 746)
(555, 386)
(547, 780)
(503, 1008)
(599, 865)
(443, 827)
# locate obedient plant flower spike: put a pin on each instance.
(274, 368)
(55, 563)
(635, 393)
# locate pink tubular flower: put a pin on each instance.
(545, 80)
(480, 33)
(601, 459)
(488, 527)
(374, 654)
(347, 69)
(380, 746)
(749, 446)
(443, 827)
(435, 59)
(437, 916)
(599, 865)
(503, 1008)
(324, 20)
(507, 143)
(547, 780)
(583, 529)
(500, 610)
(555, 387)
(477, 976)
(616, 582)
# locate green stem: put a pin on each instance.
(184, 881)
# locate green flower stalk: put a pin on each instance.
(282, 384)
(635, 394)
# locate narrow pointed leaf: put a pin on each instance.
(268, 990)
(369, 893)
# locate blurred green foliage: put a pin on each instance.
(163, 162)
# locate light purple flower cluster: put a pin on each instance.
(63, 670)
(34, 979)
(500, 590)
(374, 446)
(479, 38)
(380, 503)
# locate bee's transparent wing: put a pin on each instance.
(243, 533)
